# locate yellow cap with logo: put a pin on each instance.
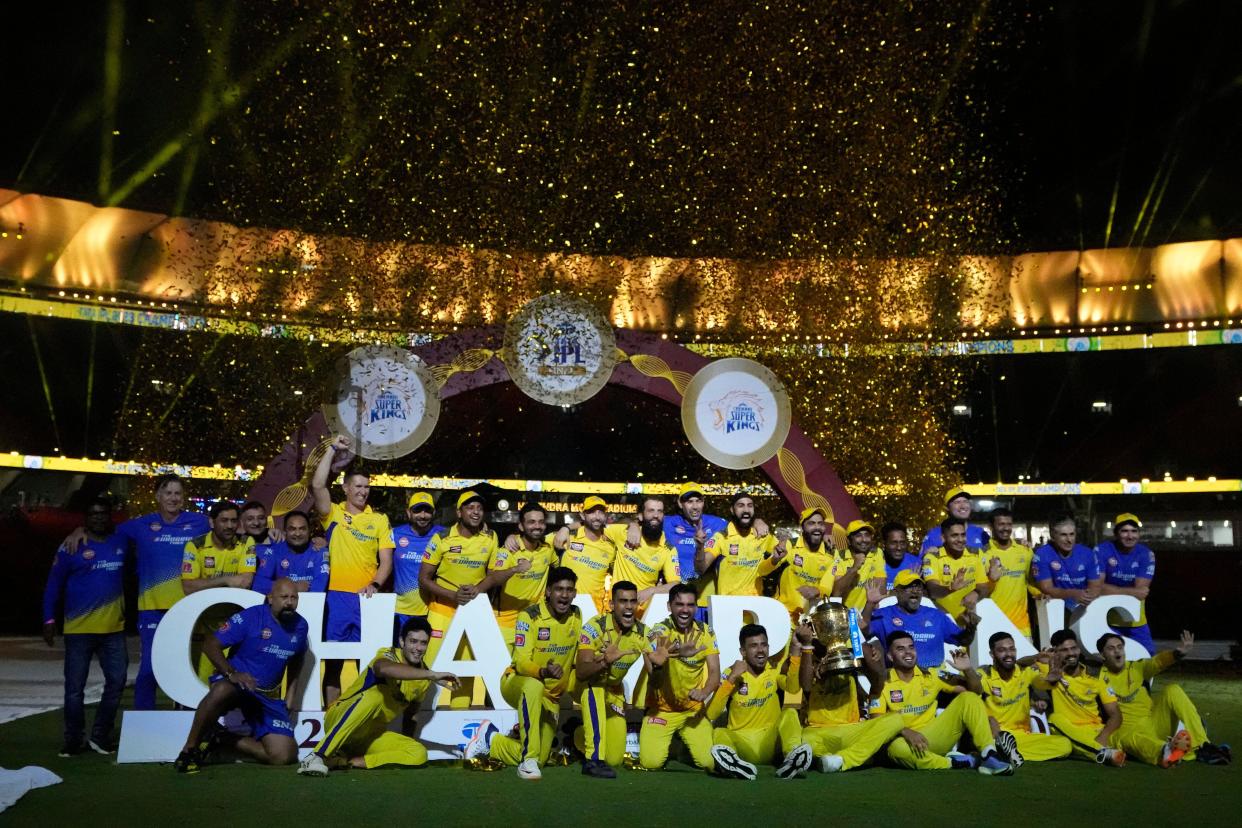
(1127, 517)
(689, 490)
(858, 526)
(906, 577)
(814, 510)
(593, 502)
(954, 493)
(468, 496)
(421, 499)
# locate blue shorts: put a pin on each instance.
(398, 622)
(263, 714)
(342, 616)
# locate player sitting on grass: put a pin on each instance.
(757, 724)
(265, 639)
(355, 727)
(927, 738)
(1158, 716)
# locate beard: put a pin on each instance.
(652, 530)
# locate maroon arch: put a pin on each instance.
(287, 467)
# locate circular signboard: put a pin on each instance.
(735, 412)
(385, 399)
(559, 349)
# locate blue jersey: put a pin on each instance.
(88, 586)
(976, 538)
(1070, 572)
(1121, 569)
(277, 560)
(679, 533)
(407, 560)
(159, 548)
(911, 562)
(931, 628)
(261, 645)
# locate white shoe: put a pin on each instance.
(313, 765)
(831, 763)
(728, 763)
(480, 743)
(529, 769)
(796, 762)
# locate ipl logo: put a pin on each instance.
(737, 411)
(387, 406)
(564, 353)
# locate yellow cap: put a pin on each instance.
(858, 525)
(688, 489)
(468, 496)
(906, 577)
(954, 493)
(1127, 517)
(814, 510)
(421, 499)
(593, 502)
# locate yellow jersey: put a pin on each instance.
(744, 560)
(539, 640)
(668, 690)
(390, 696)
(601, 631)
(592, 559)
(460, 561)
(1075, 698)
(1130, 685)
(914, 700)
(755, 701)
(1014, 587)
(1009, 700)
(354, 542)
(644, 566)
(833, 701)
(203, 559)
(939, 567)
(806, 567)
(525, 588)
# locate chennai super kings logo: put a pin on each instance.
(737, 411)
(388, 406)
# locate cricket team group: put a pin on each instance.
(903, 703)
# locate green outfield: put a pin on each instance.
(98, 792)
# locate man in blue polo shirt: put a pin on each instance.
(87, 590)
(690, 529)
(1064, 568)
(411, 541)
(931, 627)
(158, 541)
(1128, 568)
(295, 558)
(265, 640)
(957, 504)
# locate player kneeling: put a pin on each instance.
(756, 723)
(265, 639)
(356, 733)
(545, 646)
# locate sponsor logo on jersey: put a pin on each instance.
(88, 554)
(266, 634)
(656, 720)
(545, 633)
(519, 640)
(284, 563)
(797, 560)
(896, 696)
(209, 561)
(897, 622)
(155, 527)
(403, 541)
(577, 547)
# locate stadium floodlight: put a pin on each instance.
(961, 410)
(1102, 407)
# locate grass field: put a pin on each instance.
(96, 791)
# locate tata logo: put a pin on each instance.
(737, 411)
(388, 406)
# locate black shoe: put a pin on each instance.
(1007, 747)
(188, 761)
(103, 745)
(71, 749)
(600, 770)
(1211, 754)
(219, 739)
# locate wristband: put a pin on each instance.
(377, 586)
(808, 648)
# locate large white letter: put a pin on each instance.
(476, 623)
(727, 622)
(376, 617)
(170, 650)
(991, 621)
(1094, 623)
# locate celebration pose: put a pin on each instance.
(931, 627)
(355, 727)
(1006, 687)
